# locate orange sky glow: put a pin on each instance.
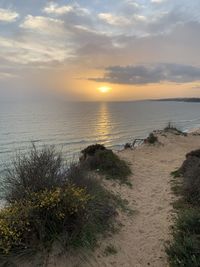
(139, 49)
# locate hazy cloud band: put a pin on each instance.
(151, 73)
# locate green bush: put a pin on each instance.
(194, 153)
(33, 172)
(91, 150)
(43, 215)
(190, 171)
(184, 249)
(109, 164)
(188, 222)
(127, 146)
(184, 252)
(67, 204)
(152, 139)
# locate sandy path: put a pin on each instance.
(141, 240)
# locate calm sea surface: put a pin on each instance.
(73, 126)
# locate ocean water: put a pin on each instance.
(72, 126)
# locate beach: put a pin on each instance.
(142, 238)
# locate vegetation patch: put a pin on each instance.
(48, 201)
(152, 139)
(91, 150)
(183, 251)
(110, 250)
(170, 128)
(107, 163)
(176, 174)
(127, 146)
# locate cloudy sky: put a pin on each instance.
(138, 48)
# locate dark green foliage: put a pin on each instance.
(109, 164)
(184, 250)
(152, 139)
(194, 153)
(127, 146)
(176, 174)
(91, 150)
(188, 222)
(101, 209)
(190, 170)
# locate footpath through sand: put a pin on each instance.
(141, 240)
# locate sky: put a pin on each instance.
(136, 49)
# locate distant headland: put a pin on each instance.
(193, 99)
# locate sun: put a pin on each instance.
(104, 89)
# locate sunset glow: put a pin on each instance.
(86, 51)
(104, 89)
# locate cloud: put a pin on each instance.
(30, 50)
(43, 24)
(151, 73)
(113, 19)
(158, 1)
(7, 75)
(53, 8)
(7, 15)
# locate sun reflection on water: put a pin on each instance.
(103, 128)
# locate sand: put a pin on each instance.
(142, 238)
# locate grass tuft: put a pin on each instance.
(110, 250)
(176, 174)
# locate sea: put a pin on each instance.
(72, 126)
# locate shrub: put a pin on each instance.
(194, 153)
(109, 164)
(184, 249)
(190, 170)
(101, 209)
(34, 172)
(152, 139)
(110, 250)
(173, 129)
(188, 222)
(184, 252)
(127, 146)
(69, 204)
(42, 216)
(176, 173)
(91, 150)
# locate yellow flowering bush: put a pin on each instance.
(24, 219)
(13, 223)
(49, 201)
